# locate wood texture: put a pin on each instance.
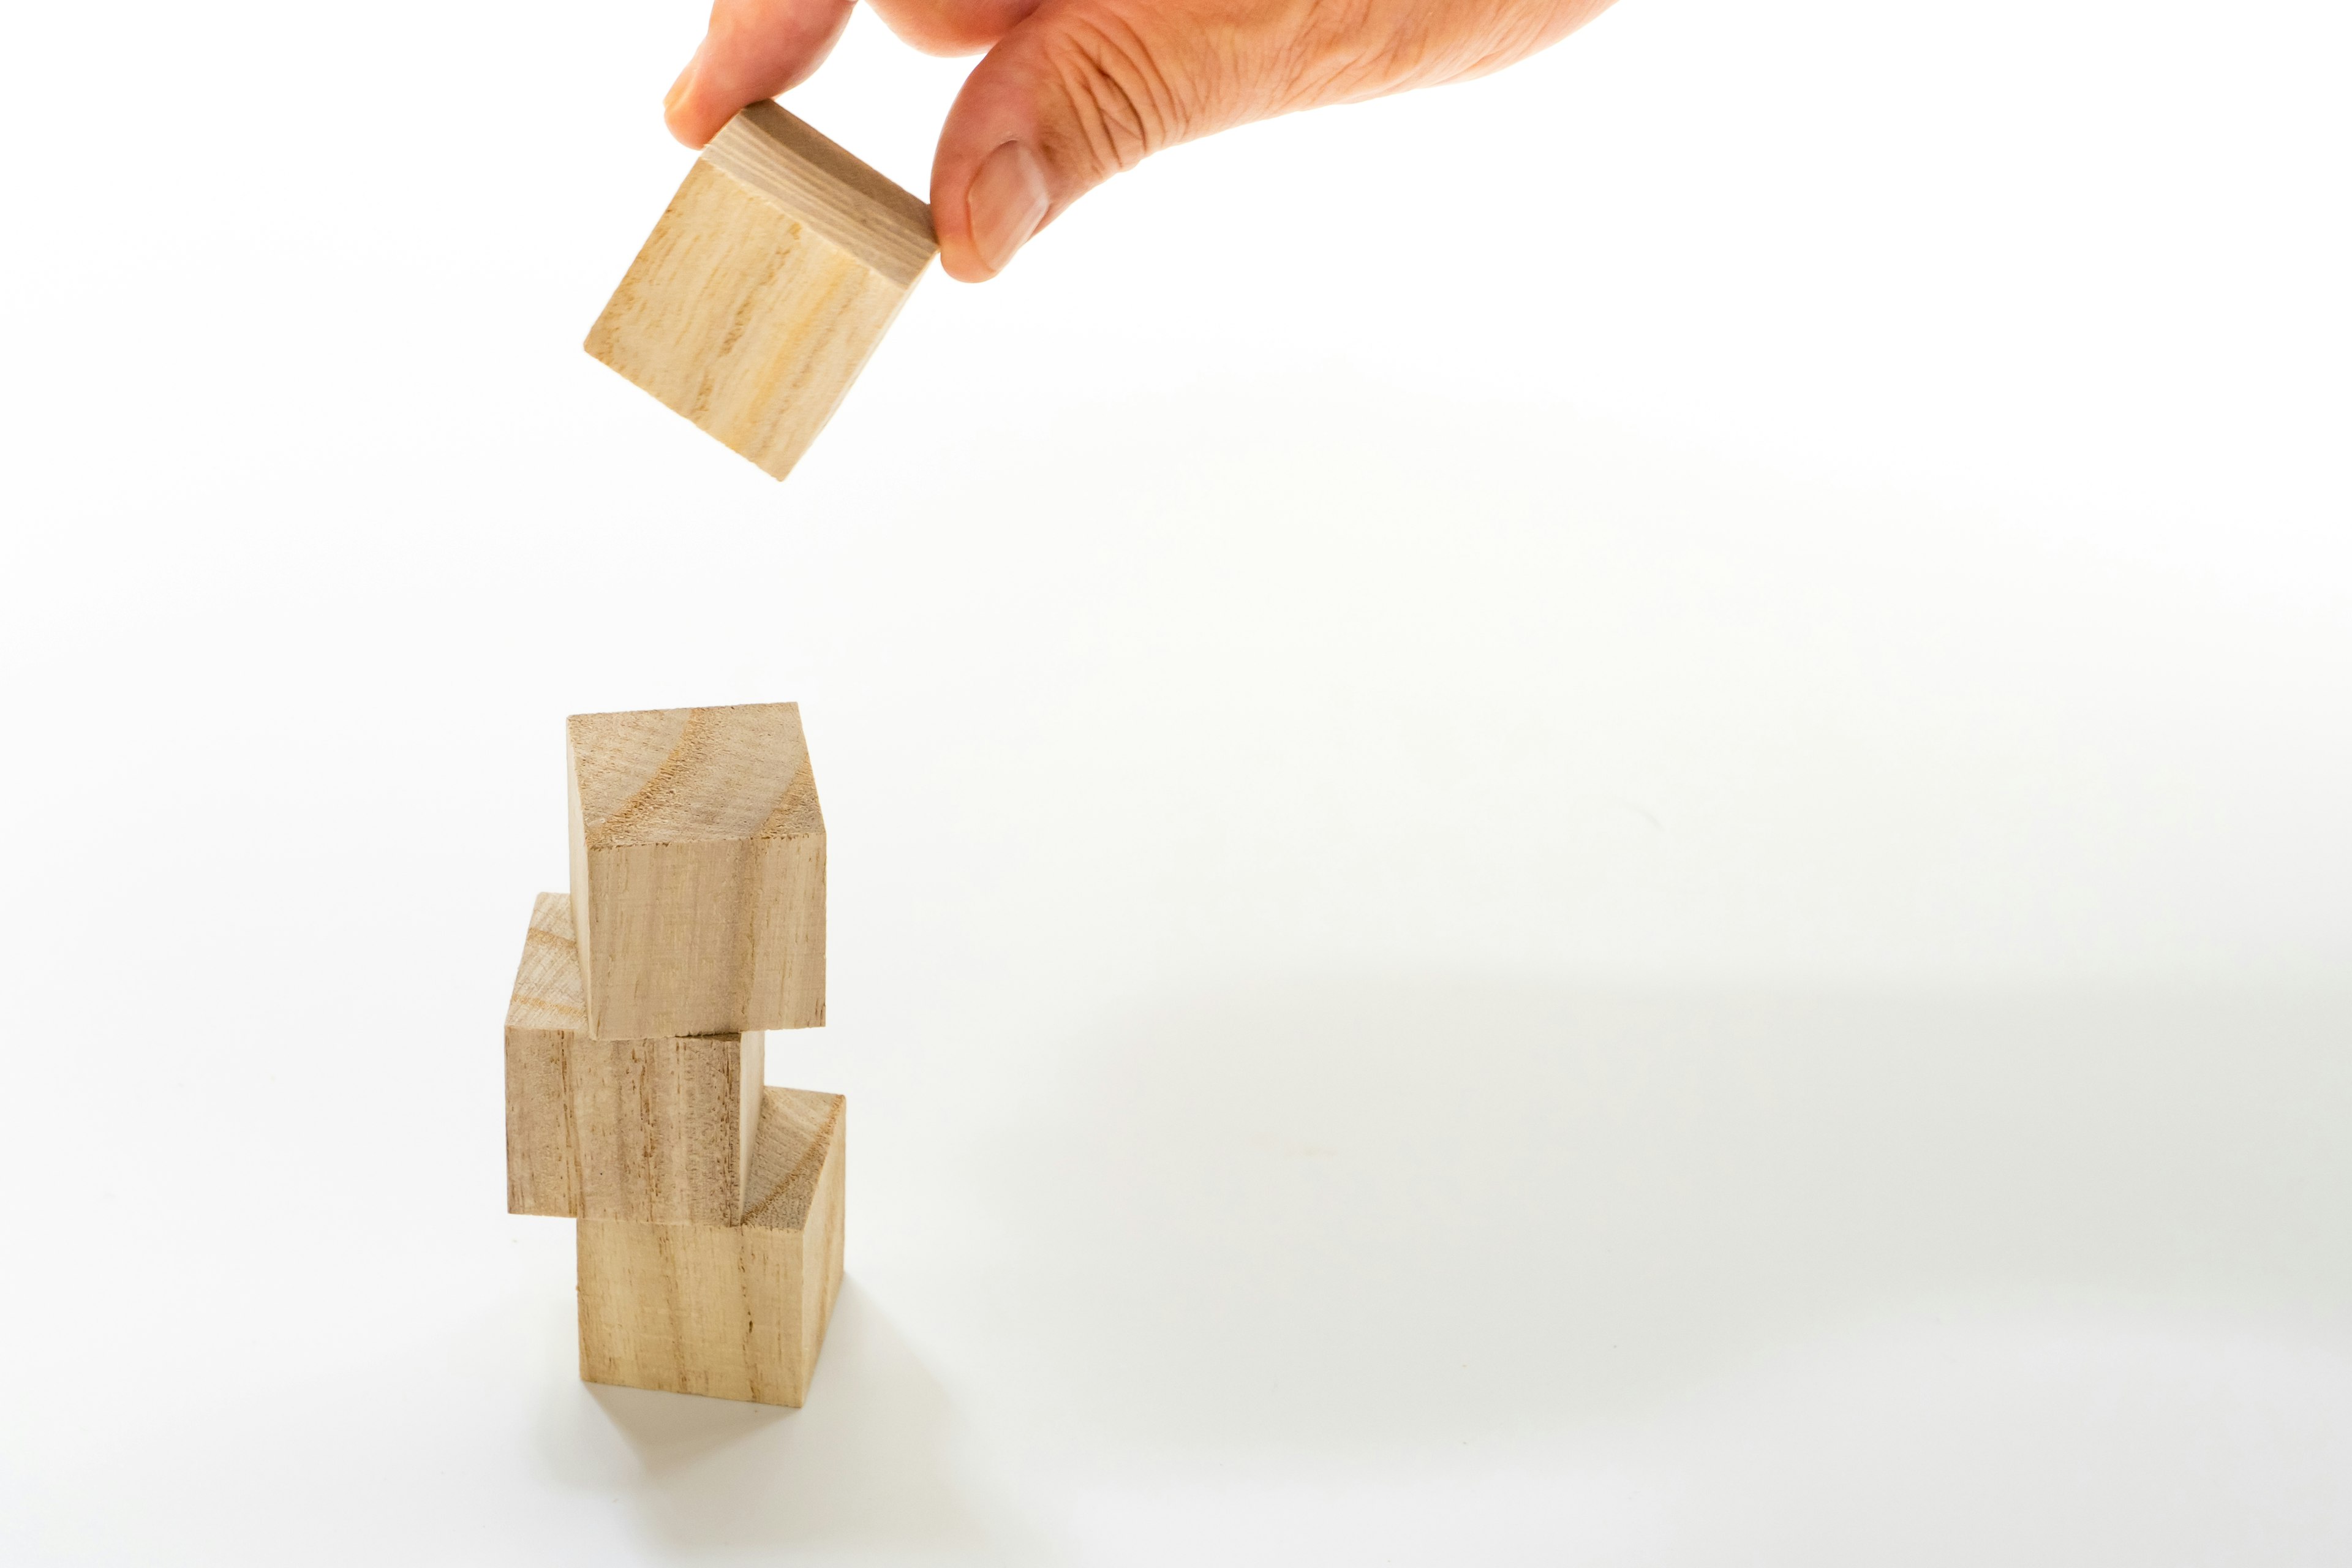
(766, 285)
(698, 872)
(653, 1130)
(736, 1311)
(817, 182)
(543, 1016)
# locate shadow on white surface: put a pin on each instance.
(1390, 1269)
(860, 1467)
(1351, 1269)
(669, 1431)
(1382, 1213)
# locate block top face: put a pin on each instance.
(782, 161)
(798, 1129)
(547, 992)
(694, 775)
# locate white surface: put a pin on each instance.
(1597, 819)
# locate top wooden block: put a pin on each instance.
(698, 872)
(774, 272)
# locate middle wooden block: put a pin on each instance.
(698, 872)
(653, 1131)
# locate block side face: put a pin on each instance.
(753, 1095)
(743, 320)
(551, 915)
(709, 1164)
(786, 919)
(548, 994)
(690, 1309)
(541, 1161)
(650, 1297)
(581, 925)
(657, 1124)
(674, 776)
(822, 1240)
(806, 174)
(775, 1265)
(709, 938)
(800, 1134)
(672, 928)
(814, 366)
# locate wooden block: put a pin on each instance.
(543, 1016)
(653, 1130)
(698, 872)
(736, 1311)
(777, 266)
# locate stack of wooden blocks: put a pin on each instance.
(710, 1206)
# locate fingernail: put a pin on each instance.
(1006, 202)
(685, 79)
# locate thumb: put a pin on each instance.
(1081, 90)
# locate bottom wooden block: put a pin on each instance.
(733, 1312)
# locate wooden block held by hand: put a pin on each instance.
(698, 872)
(736, 1311)
(777, 266)
(651, 1130)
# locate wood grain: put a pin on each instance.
(698, 872)
(736, 1311)
(543, 1016)
(656, 1130)
(766, 285)
(806, 177)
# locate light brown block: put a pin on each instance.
(653, 1130)
(698, 872)
(734, 1312)
(777, 266)
(543, 1016)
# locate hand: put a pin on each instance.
(1075, 90)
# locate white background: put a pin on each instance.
(1600, 818)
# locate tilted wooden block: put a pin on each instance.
(650, 1130)
(777, 266)
(698, 872)
(736, 1311)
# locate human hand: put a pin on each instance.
(1072, 91)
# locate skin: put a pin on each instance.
(1071, 92)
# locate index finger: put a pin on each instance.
(755, 50)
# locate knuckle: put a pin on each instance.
(1127, 97)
